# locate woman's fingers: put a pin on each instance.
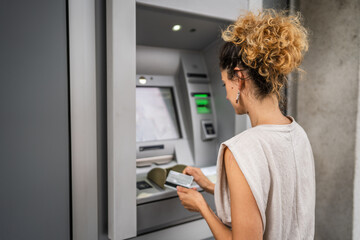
(182, 189)
(190, 209)
(198, 175)
(187, 170)
(195, 172)
(185, 190)
(191, 199)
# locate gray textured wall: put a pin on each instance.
(34, 121)
(327, 109)
(356, 223)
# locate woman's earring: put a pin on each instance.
(238, 96)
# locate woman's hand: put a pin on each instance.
(200, 179)
(191, 199)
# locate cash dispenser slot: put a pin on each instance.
(153, 147)
(148, 161)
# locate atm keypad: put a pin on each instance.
(209, 128)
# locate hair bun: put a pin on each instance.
(271, 42)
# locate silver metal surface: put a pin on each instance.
(121, 75)
(192, 230)
(204, 152)
(225, 9)
(196, 32)
(175, 213)
(83, 119)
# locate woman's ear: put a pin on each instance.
(241, 80)
(240, 75)
(241, 85)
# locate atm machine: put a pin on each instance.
(175, 124)
(178, 103)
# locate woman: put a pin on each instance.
(265, 175)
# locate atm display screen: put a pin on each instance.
(156, 117)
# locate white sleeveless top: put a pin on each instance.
(278, 164)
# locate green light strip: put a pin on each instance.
(201, 95)
(203, 110)
(202, 102)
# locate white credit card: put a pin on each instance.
(175, 179)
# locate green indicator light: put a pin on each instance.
(203, 110)
(203, 105)
(201, 95)
(202, 102)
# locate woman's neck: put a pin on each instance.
(266, 111)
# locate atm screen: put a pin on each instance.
(156, 117)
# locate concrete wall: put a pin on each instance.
(327, 109)
(356, 218)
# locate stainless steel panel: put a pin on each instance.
(121, 74)
(168, 212)
(83, 119)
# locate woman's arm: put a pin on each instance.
(194, 201)
(218, 229)
(246, 219)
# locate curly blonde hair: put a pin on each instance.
(270, 44)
